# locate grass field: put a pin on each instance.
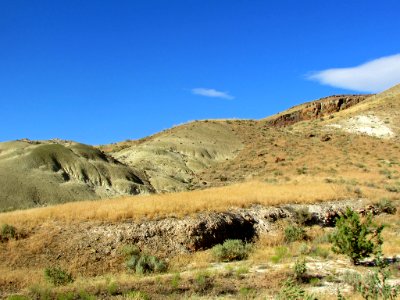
(187, 203)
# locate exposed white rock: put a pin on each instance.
(365, 124)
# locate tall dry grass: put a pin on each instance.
(179, 204)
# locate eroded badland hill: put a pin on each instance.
(201, 184)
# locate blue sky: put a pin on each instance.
(104, 71)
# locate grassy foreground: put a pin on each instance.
(271, 261)
(187, 203)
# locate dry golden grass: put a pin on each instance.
(265, 246)
(179, 204)
(196, 260)
(390, 234)
(20, 278)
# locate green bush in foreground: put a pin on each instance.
(143, 264)
(355, 238)
(373, 285)
(57, 276)
(231, 250)
(294, 233)
(300, 270)
(291, 291)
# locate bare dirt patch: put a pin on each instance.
(366, 124)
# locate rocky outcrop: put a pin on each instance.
(171, 236)
(317, 109)
(95, 245)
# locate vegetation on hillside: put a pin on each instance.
(45, 256)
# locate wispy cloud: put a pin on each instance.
(211, 93)
(373, 76)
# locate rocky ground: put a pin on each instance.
(92, 249)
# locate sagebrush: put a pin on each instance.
(231, 250)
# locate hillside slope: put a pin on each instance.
(219, 152)
(34, 173)
(356, 146)
(350, 139)
(172, 158)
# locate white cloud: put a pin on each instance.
(211, 93)
(373, 76)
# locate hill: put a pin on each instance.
(326, 139)
(277, 183)
(329, 139)
(357, 145)
(39, 173)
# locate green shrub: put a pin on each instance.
(355, 238)
(372, 285)
(231, 250)
(150, 264)
(140, 262)
(175, 281)
(57, 276)
(291, 291)
(129, 250)
(137, 295)
(8, 231)
(314, 281)
(144, 264)
(202, 282)
(112, 288)
(300, 270)
(280, 253)
(303, 216)
(132, 261)
(386, 206)
(293, 233)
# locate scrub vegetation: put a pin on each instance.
(261, 207)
